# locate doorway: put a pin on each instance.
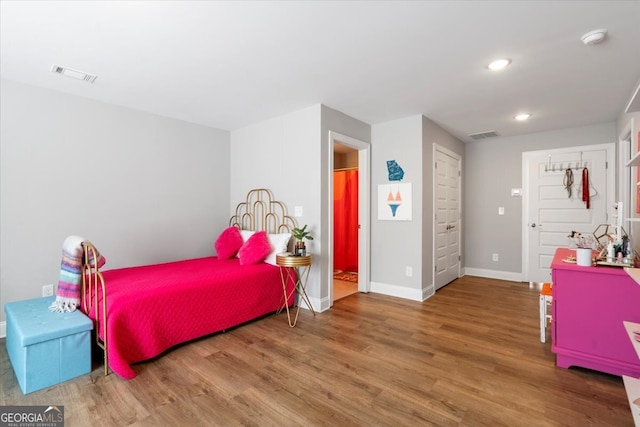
(348, 216)
(345, 221)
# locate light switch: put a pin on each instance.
(297, 211)
(501, 210)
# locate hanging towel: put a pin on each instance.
(70, 281)
(585, 187)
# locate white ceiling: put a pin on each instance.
(231, 64)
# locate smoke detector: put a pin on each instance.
(594, 37)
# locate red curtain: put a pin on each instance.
(345, 220)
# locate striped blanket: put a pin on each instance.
(70, 281)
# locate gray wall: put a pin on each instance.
(283, 155)
(396, 245)
(493, 167)
(400, 244)
(143, 188)
(289, 155)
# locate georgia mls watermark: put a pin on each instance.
(31, 416)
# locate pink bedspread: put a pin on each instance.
(153, 308)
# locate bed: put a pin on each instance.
(140, 312)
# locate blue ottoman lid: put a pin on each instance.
(35, 323)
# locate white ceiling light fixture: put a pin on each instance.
(522, 117)
(499, 64)
(594, 37)
(74, 74)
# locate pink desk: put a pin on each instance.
(589, 306)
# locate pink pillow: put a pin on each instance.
(228, 243)
(255, 249)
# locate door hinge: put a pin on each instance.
(459, 173)
(459, 259)
(606, 165)
(436, 165)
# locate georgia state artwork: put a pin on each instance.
(394, 202)
(395, 171)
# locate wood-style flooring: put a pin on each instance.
(342, 288)
(470, 355)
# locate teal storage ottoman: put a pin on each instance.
(46, 348)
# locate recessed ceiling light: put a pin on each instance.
(522, 117)
(499, 64)
(594, 37)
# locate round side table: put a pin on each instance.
(300, 267)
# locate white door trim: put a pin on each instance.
(364, 209)
(458, 158)
(624, 174)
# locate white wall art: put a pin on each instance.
(394, 202)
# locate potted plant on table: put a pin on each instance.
(300, 234)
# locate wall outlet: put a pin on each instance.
(495, 257)
(408, 271)
(47, 290)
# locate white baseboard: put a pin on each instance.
(319, 305)
(493, 274)
(397, 291)
(3, 329)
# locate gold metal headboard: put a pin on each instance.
(259, 212)
(94, 297)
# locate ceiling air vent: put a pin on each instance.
(483, 135)
(74, 74)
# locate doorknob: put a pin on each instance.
(450, 227)
(534, 225)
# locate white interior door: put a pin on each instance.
(447, 216)
(553, 205)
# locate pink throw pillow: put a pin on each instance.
(228, 243)
(255, 249)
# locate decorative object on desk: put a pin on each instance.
(605, 233)
(583, 244)
(584, 257)
(395, 171)
(300, 234)
(614, 244)
(579, 240)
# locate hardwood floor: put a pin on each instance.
(342, 289)
(470, 355)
